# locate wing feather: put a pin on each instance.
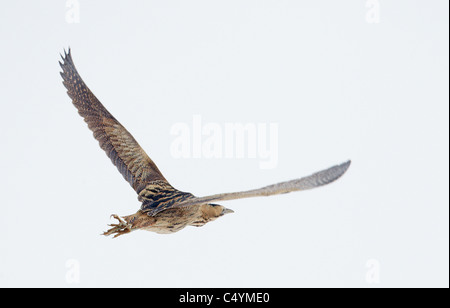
(315, 180)
(120, 146)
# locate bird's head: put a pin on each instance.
(215, 210)
(210, 212)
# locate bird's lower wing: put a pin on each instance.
(315, 180)
(120, 146)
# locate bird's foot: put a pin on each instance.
(118, 229)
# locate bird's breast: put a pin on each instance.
(172, 220)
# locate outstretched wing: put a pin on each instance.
(120, 146)
(315, 180)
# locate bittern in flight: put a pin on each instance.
(164, 209)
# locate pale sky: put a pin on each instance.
(339, 80)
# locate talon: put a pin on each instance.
(122, 227)
(121, 221)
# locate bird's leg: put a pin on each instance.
(129, 223)
(123, 227)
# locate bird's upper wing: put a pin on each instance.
(120, 146)
(315, 180)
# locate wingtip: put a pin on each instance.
(67, 54)
(341, 169)
(66, 64)
(344, 167)
(347, 164)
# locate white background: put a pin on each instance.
(338, 87)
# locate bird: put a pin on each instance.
(164, 209)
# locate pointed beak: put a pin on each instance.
(227, 211)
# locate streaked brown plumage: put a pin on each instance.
(164, 209)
